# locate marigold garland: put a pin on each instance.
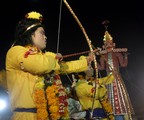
(57, 100)
(51, 103)
(107, 107)
(41, 103)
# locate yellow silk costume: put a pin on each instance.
(23, 71)
(85, 92)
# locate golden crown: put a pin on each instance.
(107, 36)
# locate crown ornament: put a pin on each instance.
(34, 15)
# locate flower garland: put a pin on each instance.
(57, 99)
(107, 107)
(51, 99)
(40, 101)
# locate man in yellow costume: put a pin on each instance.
(95, 103)
(36, 92)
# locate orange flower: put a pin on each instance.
(54, 109)
(55, 116)
(42, 114)
(41, 105)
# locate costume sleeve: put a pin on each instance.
(107, 80)
(84, 90)
(37, 63)
(123, 59)
(74, 66)
(88, 90)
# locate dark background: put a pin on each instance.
(126, 27)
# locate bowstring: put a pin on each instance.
(58, 39)
(59, 26)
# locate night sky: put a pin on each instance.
(126, 27)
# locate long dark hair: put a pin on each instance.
(23, 37)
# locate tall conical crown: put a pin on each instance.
(107, 37)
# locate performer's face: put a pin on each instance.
(109, 45)
(39, 38)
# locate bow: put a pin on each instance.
(89, 44)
